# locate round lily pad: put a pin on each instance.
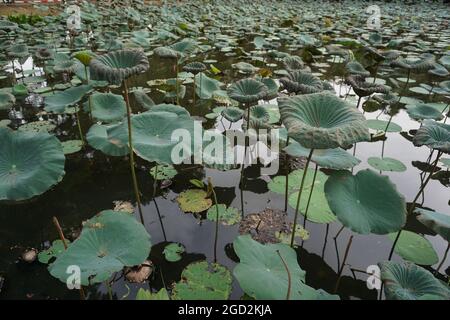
(367, 202)
(227, 216)
(232, 114)
(37, 126)
(200, 281)
(172, 252)
(30, 164)
(415, 248)
(163, 172)
(72, 146)
(386, 164)
(194, 200)
(380, 125)
(423, 111)
(108, 242)
(407, 281)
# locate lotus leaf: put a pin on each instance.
(99, 139)
(194, 67)
(38, 126)
(322, 121)
(108, 242)
(227, 216)
(163, 172)
(200, 281)
(247, 91)
(107, 107)
(302, 82)
(438, 222)
(366, 203)
(423, 111)
(53, 252)
(143, 99)
(380, 125)
(232, 114)
(386, 164)
(143, 294)
(206, 86)
(407, 281)
(72, 146)
(414, 248)
(58, 102)
(434, 135)
(7, 100)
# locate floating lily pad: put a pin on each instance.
(163, 172)
(53, 252)
(227, 216)
(30, 164)
(380, 125)
(366, 203)
(37, 126)
(72, 146)
(200, 281)
(386, 164)
(415, 248)
(407, 281)
(262, 272)
(143, 294)
(172, 252)
(108, 242)
(423, 111)
(194, 200)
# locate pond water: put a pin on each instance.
(93, 181)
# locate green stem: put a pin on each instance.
(79, 126)
(288, 294)
(413, 204)
(300, 195)
(130, 146)
(347, 250)
(310, 195)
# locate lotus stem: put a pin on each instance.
(413, 204)
(310, 195)
(357, 104)
(347, 250)
(287, 179)
(376, 73)
(288, 294)
(300, 195)
(243, 160)
(444, 258)
(109, 288)
(64, 241)
(382, 149)
(80, 131)
(217, 219)
(407, 79)
(130, 146)
(387, 126)
(86, 74)
(194, 93)
(155, 181)
(326, 239)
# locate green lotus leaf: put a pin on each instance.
(38, 126)
(166, 52)
(386, 98)
(407, 281)
(53, 252)
(18, 51)
(227, 216)
(108, 242)
(165, 107)
(301, 83)
(445, 162)
(163, 172)
(414, 248)
(337, 158)
(439, 70)
(434, 135)
(274, 113)
(364, 89)
(152, 141)
(107, 107)
(423, 111)
(172, 252)
(200, 281)
(143, 99)
(98, 138)
(438, 222)
(72, 146)
(119, 65)
(30, 164)
(445, 60)
(8, 25)
(259, 113)
(195, 67)
(367, 202)
(65, 67)
(143, 294)
(293, 63)
(414, 65)
(20, 90)
(380, 125)
(322, 121)
(262, 273)
(184, 47)
(194, 200)
(356, 68)
(206, 86)
(445, 85)
(386, 164)
(375, 38)
(272, 87)
(232, 114)
(245, 67)
(7, 100)
(247, 91)
(58, 102)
